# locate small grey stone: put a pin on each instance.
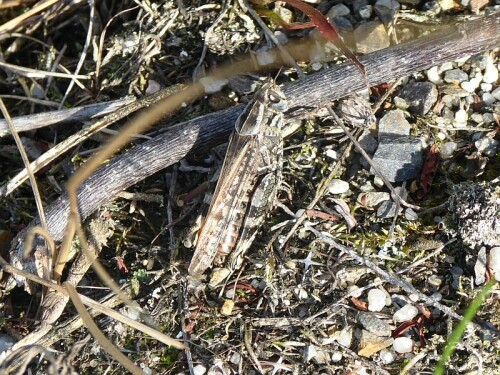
(393, 123)
(487, 146)
(496, 93)
(435, 281)
(432, 7)
(342, 24)
(420, 96)
(371, 37)
(399, 158)
(455, 76)
(488, 99)
(456, 272)
(373, 198)
(447, 149)
(235, 358)
(445, 66)
(338, 10)
(374, 325)
(488, 118)
(477, 118)
(386, 9)
(358, 4)
(400, 103)
(494, 262)
(368, 142)
(338, 186)
(376, 300)
(410, 214)
(386, 210)
(378, 182)
(365, 12)
(480, 266)
(402, 345)
(405, 313)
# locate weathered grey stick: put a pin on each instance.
(40, 120)
(200, 134)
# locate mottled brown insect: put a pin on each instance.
(247, 184)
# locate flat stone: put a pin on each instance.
(368, 142)
(373, 198)
(399, 158)
(370, 344)
(494, 262)
(338, 186)
(455, 76)
(421, 96)
(373, 324)
(496, 93)
(393, 123)
(371, 37)
(386, 210)
(480, 266)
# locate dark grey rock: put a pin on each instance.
(487, 146)
(368, 142)
(455, 76)
(386, 10)
(420, 96)
(374, 325)
(399, 158)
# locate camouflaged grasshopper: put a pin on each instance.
(247, 185)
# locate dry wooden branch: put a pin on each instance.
(201, 134)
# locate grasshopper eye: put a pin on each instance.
(274, 97)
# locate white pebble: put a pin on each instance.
(446, 66)
(472, 85)
(461, 118)
(486, 87)
(338, 187)
(402, 345)
(199, 370)
(376, 300)
(387, 356)
(433, 75)
(332, 154)
(407, 312)
(441, 136)
(494, 262)
(490, 73)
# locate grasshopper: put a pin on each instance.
(247, 186)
